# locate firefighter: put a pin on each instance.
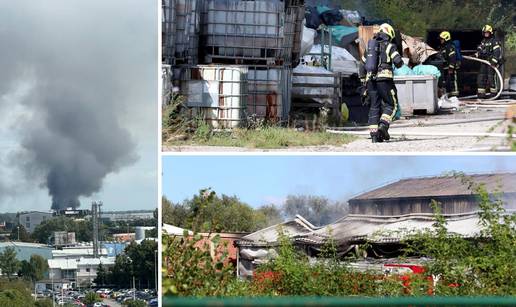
(451, 65)
(490, 49)
(380, 84)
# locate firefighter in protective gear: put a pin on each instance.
(380, 87)
(451, 65)
(490, 49)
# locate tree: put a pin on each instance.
(91, 298)
(19, 233)
(8, 262)
(316, 209)
(101, 278)
(267, 215)
(143, 262)
(44, 231)
(39, 266)
(174, 214)
(121, 273)
(207, 212)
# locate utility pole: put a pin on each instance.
(95, 215)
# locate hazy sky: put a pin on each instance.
(78, 104)
(258, 180)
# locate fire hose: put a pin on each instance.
(492, 67)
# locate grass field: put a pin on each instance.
(264, 138)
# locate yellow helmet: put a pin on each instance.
(487, 28)
(387, 29)
(445, 35)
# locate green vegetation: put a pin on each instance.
(138, 260)
(266, 138)
(44, 231)
(136, 303)
(207, 212)
(91, 298)
(34, 269)
(480, 266)
(8, 262)
(180, 129)
(415, 17)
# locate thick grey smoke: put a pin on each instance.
(79, 63)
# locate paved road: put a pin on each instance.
(112, 303)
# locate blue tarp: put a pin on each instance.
(427, 70)
(339, 32)
(403, 71)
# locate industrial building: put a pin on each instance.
(31, 219)
(115, 216)
(79, 272)
(383, 217)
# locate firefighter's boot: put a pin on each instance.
(375, 137)
(383, 132)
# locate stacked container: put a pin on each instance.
(242, 70)
(168, 29)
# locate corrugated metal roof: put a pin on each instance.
(440, 186)
(292, 228)
(381, 229)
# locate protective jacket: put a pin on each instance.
(388, 55)
(490, 49)
(449, 54)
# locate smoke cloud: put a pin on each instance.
(79, 64)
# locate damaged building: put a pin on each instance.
(381, 217)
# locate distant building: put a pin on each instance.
(414, 195)
(124, 237)
(115, 216)
(79, 272)
(77, 251)
(31, 219)
(24, 250)
(74, 213)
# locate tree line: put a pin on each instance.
(223, 213)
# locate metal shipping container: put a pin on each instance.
(187, 16)
(417, 93)
(168, 29)
(228, 96)
(243, 30)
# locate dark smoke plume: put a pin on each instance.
(82, 62)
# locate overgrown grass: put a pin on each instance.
(266, 138)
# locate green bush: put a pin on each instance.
(136, 303)
(91, 298)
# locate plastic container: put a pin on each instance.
(261, 32)
(417, 94)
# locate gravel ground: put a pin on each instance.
(408, 143)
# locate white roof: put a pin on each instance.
(63, 264)
(73, 263)
(88, 251)
(96, 261)
(22, 244)
(174, 230)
